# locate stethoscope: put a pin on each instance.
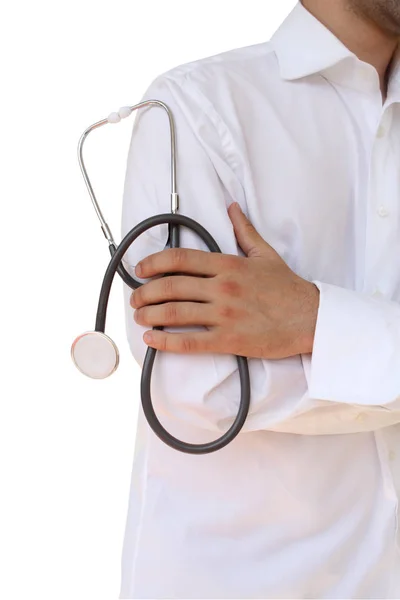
(93, 352)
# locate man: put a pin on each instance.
(303, 132)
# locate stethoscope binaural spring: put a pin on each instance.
(94, 353)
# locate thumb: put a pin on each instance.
(247, 236)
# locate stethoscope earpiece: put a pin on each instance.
(95, 354)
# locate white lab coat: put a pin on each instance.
(304, 502)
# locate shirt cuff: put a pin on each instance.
(356, 352)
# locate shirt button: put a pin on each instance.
(361, 417)
(382, 211)
(392, 455)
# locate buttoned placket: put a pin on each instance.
(381, 208)
(382, 219)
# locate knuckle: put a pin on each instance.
(187, 344)
(227, 312)
(179, 256)
(171, 312)
(248, 226)
(230, 287)
(168, 287)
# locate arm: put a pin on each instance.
(203, 390)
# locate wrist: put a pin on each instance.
(311, 313)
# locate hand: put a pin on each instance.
(252, 306)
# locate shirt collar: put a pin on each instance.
(394, 78)
(304, 46)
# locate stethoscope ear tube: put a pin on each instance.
(114, 266)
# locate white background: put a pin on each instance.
(66, 441)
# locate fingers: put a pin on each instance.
(176, 314)
(185, 260)
(183, 343)
(176, 287)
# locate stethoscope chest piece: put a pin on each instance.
(95, 354)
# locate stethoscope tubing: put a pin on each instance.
(89, 363)
(174, 220)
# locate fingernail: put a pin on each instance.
(138, 269)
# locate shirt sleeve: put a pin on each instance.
(356, 354)
(199, 393)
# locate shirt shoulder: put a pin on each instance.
(213, 96)
(227, 67)
(221, 88)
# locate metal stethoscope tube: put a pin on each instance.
(94, 353)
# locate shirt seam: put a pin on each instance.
(224, 135)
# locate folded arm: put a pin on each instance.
(203, 390)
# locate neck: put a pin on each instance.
(360, 35)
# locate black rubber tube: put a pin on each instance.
(174, 221)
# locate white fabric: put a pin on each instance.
(304, 503)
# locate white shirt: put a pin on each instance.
(304, 502)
